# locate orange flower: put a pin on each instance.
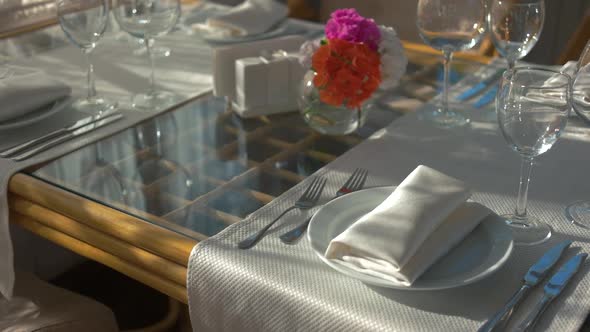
(346, 73)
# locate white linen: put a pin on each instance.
(186, 72)
(275, 287)
(22, 94)
(424, 217)
(224, 58)
(250, 17)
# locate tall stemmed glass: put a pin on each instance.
(84, 22)
(532, 106)
(579, 212)
(148, 19)
(449, 26)
(515, 27)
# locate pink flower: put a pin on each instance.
(348, 25)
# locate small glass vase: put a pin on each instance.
(325, 118)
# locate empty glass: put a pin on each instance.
(449, 26)
(515, 27)
(147, 19)
(84, 22)
(579, 212)
(532, 106)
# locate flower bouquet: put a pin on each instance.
(356, 58)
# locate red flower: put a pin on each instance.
(346, 73)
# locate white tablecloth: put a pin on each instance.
(275, 287)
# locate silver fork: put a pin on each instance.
(355, 182)
(306, 201)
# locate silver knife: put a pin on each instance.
(80, 131)
(534, 275)
(481, 85)
(56, 133)
(552, 289)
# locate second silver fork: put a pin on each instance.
(308, 200)
(355, 182)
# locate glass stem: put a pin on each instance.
(149, 43)
(523, 190)
(90, 76)
(447, 56)
(511, 64)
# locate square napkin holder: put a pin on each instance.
(267, 84)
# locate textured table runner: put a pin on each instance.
(276, 287)
(119, 75)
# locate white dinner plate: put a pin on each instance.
(220, 36)
(38, 115)
(481, 253)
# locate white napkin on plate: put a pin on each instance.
(250, 17)
(424, 217)
(22, 94)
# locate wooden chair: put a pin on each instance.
(578, 40)
(59, 310)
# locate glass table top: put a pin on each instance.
(200, 167)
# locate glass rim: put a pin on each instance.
(530, 2)
(509, 72)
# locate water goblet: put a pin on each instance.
(84, 22)
(450, 26)
(515, 27)
(579, 212)
(532, 106)
(148, 19)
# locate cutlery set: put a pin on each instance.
(306, 201)
(535, 275)
(80, 127)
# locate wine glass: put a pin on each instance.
(84, 22)
(579, 212)
(449, 26)
(515, 26)
(532, 106)
(148, 19)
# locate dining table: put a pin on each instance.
(140, 196)
(140, 199)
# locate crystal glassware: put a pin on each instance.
(532, 106)
(449, 26)
(515, 26)
(84, 22)
(148, 19)
(579, 212)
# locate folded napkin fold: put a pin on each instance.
(250, 17)
(22, 94)
(425, 217)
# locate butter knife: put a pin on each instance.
(534, 275)
(479, 87)
(552, 289)
(58, 140)
(56, 133)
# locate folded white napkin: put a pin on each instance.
(22, 94)
(250, 17)
(424, 217)
(224, 59)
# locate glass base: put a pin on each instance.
(159, 52)
(528, 232)
(93, 105)
(579, 213)
(157, 100)
(448, 119)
